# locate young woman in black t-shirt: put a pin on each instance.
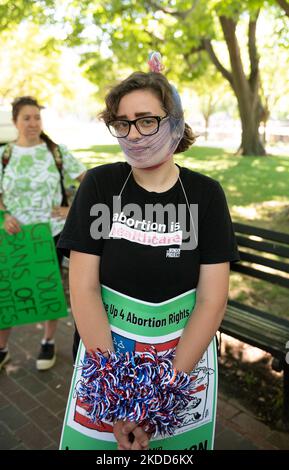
(142, 258)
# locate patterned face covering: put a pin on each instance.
(152, 150)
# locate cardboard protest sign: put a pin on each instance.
(134, 325)
(30, 282)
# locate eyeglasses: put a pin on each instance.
(148, 125)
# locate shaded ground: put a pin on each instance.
(245, 373)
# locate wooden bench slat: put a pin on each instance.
(261, 232)
(284, 322)
(263, 261)
(253, 341)
(264, 335)
(258, 328)
(268, 329)
(256, 273)
(266, 247)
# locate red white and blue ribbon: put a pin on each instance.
(139, 387)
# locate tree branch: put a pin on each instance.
(284, 5)
(226, 74)
(238, 75)
(194, 50)
(253, 54)
(154, 38)
(169, 11)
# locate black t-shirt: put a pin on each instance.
(143, 256)
(135, 263)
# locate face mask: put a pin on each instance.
(152, 150)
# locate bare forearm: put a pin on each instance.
(197, 335)
(91, 319)
(2, 207)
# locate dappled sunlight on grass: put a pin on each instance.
(248, 212)
(268, 214)
(110, 149)
(259, 294)
(246, 180)
(206, 166)
(101, 160)
(256, 187)
(280, 169)
(99, 155)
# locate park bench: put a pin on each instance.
(250, 325)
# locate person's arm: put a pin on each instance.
(86, 302)
(94, 329)
(211, 301)
(2, 207)
(73, 169)
(62, 211)
(11, 224)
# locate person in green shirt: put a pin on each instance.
(31, 191)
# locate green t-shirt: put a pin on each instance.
(30, 183)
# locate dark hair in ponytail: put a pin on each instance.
(187, 140)
(22, 101)
(51, 145)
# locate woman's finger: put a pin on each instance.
(12, 228)
(121, 437)
(12, 225)
(141, 437)
(136, 445)
(129, 426)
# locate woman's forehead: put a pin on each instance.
(29, 110)
(139, 102)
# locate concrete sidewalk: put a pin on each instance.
(32, 403)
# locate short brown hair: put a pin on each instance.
(160, 87)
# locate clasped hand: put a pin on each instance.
(130, 436)
(12, 225)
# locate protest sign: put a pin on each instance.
(30, 282)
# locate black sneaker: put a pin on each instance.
(4, 358)
(46, 357)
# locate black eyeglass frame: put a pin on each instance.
(134, 122)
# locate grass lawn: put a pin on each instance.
(257, 190)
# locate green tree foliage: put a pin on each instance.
(26, 66)
(14, 12)
(284, 4)
(185, 32)
(213, 95)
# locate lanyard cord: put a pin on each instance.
(185, 194)
(124, 184)
(188, 206)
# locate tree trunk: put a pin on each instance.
(246, 89)
(264, 139)
(206, 128)
(251, 141)
(285, 5)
